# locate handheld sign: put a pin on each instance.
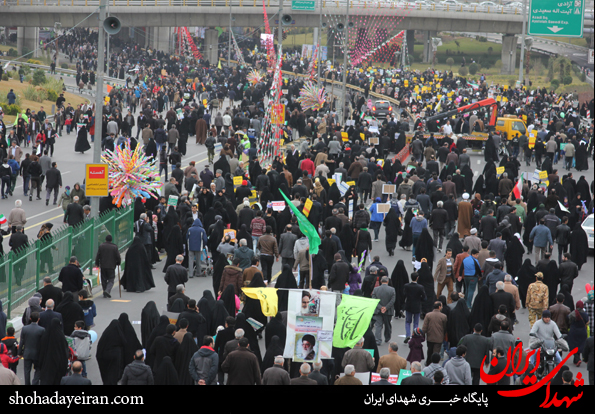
(278, 205)
(343, 187)
(389, 188)
(172, 201)
(383, 208)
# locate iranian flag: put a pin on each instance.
(518, 188)
(2, 219)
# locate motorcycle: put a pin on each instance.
(547, 356)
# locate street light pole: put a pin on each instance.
(229, 46)
(108, 59)
(280, 34)
(522, 63)
(318, 59)
(99, 99)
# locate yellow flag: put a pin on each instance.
(219, 64)
(267, 297)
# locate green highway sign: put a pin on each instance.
(304, 5)
(562, 18)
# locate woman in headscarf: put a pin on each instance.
(70, 311)
(132, 342)
(582, 186)
(334, 193)
(185, 352)
(347, 241)
(551, 278)
(149, 319)
(228, 297)
(137, 275)
(53, 354)
(250, 334)
(218, 268)
(525, 277)
(252, 308)
(425, 249)
(468, 178)
(579, 247)
(490, 151)
(455, 245)
(245, 234)
(458, 322)
(399, 278)
(568, 299)
(392, 223)
(206, 307)
(220, 314)
(277, 328)
(557, 380)
(171, 219)
(427, 281)
(320, 191)
(174, 247)
(285, 281)
(363, 243)
(273, 349)
(481, 311)
(407, 237)
(514, 255)
(577, 331)
(158, 331)
(166, 373)
(110, 353)
(34, 306)
(478, 188)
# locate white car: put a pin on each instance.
(588, 228)
(450, 3)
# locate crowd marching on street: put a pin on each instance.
(460, 233)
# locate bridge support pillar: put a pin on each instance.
(28, 37)
(162, 39)
(427, 53)
(211, 49)
(509, 45)
(410, 36)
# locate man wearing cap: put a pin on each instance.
(465, 215)
(537, 298)
(473, 241)
(107, 259)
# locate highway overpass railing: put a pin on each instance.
(22, 272)
(339, 4)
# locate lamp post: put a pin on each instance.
(345, 57)
(522, 63)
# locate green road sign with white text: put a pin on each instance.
(563, 18)
(305, 5)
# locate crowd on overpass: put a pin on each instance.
(479, 219)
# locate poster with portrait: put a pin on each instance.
(310, 321)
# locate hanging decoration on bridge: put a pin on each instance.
(312, 97)
(131, 174)
(186, 43)
(238, 52)
(274, 117)
(254, 77)
(269, 42)
(380, 52)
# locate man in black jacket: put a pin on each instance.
(107, 259)
(25, 173)
(36, 172)
(17, 241)
(339, 274)
(71, 277)
(488, 226)
(137, 372)
(5, 173)
(53, 183)
(49, 291)
(197, 324)
(29, 348)
(438, 220)
(415, 294)
(562, 237)
(478, 347)
(175, 275)
(74, 213)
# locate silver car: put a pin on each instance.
(588, 228)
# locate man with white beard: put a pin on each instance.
(308, 342)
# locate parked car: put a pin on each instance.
(588, 228)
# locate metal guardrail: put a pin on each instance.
(340, 4)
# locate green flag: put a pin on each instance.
(353, 319)
(305, 226)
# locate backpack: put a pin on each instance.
(82, 347)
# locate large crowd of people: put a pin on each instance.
(466, 229)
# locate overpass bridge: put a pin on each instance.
(159, 16)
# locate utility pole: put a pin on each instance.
(318, 58)
(522, 64)
(345, 57)
(108, 59)
(280, 34)
(229, 47)
(99, 99)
